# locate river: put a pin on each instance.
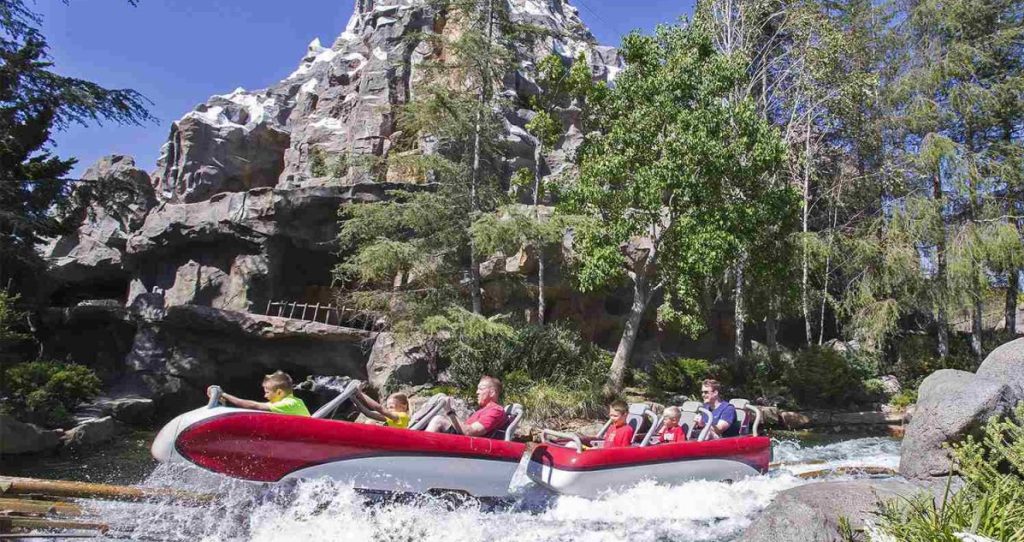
(324, 510)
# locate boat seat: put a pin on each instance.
(644, 422)
(638, 414)
(347, 391)
(747, 415)
(439, 404)
(687, 412)
(513, 415)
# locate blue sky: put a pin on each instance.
(180, 52)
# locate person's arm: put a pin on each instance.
(245, 403)
(375, 406)
(475, 429)
(726, 420)
(487, 423)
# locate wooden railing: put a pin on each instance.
(325, 314)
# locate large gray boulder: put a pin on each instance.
(951, 404)
(94, 251)
(396, 363)
(92, 432)
(811, 513)
(1006, 364)
(25, 438)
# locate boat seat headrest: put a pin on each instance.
(744, 412)
(513, 415)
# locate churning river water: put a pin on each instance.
(324, 510)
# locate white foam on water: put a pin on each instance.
(330, 510)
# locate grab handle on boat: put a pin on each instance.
(545, 433)
(215, 393)
(757, 419)
(707, 426)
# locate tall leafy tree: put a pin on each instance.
(673, 181)
(35, 101)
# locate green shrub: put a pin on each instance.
(544, 401)
(990, 502)
(545, 368)
(45, 392)
(874, 390)
(904, 398)
(681, 375)
(823, 377)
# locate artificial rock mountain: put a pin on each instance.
(233, 217)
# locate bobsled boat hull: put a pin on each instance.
(265, 447)
(592, 472)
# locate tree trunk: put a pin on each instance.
(740, 312)
(474, 265)
(1013, 276)
(976, 314)
(1012, 291)
(617, 373)
(804, 293)
(537, 157)
(942, 337)
(771, 326)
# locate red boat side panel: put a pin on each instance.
(266, 447)
(753, 451)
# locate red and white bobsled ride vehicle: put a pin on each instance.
(268, 447)
(570, 464)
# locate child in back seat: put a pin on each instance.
(619, 434)
(670, 430)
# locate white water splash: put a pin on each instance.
(328, 510)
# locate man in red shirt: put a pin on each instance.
(619, 433)
(488, 419)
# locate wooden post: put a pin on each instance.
(291, 312)
(316, 310)
(267, 312)
(11, 486)
(304, 307)
(280, 308)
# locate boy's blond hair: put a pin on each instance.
(279, 380)
(619, 406)
(401, 399)
(672, 412)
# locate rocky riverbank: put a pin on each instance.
(951, 405)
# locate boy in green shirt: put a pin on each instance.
(277, 389)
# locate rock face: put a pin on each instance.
(343, 100)
(951, 404)
(1006, 364)
(811, 513)
(175, 357)
(394, 364)
(25, 438)
(92, 256)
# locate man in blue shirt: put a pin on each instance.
(724, 422)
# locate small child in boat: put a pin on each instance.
(395, 410)
(277, 389)
(619, 434)
(670, 429)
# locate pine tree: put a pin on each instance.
(408, 252)
(34, 101)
